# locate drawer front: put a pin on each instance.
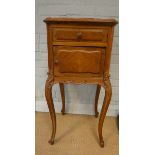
(78, 60)
(74, 34)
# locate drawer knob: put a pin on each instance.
(56, 61)
(79, 35)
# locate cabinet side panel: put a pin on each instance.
(50, 52)
(108, 50)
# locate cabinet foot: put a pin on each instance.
(63, 113)
(102, 143)
(96, 115)
(51, 141)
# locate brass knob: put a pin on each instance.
(79, 35)
(56, 61)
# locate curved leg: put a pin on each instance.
(107, 98)
(96, 99)
(62, 97)
(48, 94)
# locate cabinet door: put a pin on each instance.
(78, 60)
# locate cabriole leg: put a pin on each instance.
(96, 99)
(107, 98)
(48, 94)
(62, 97)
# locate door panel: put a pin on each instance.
(78, 60)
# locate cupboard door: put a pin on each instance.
(78, 59)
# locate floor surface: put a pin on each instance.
(75, 135)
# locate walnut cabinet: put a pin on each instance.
(79, 51)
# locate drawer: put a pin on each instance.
(82, 34)
(78, 60)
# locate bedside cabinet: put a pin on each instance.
(79, 51)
